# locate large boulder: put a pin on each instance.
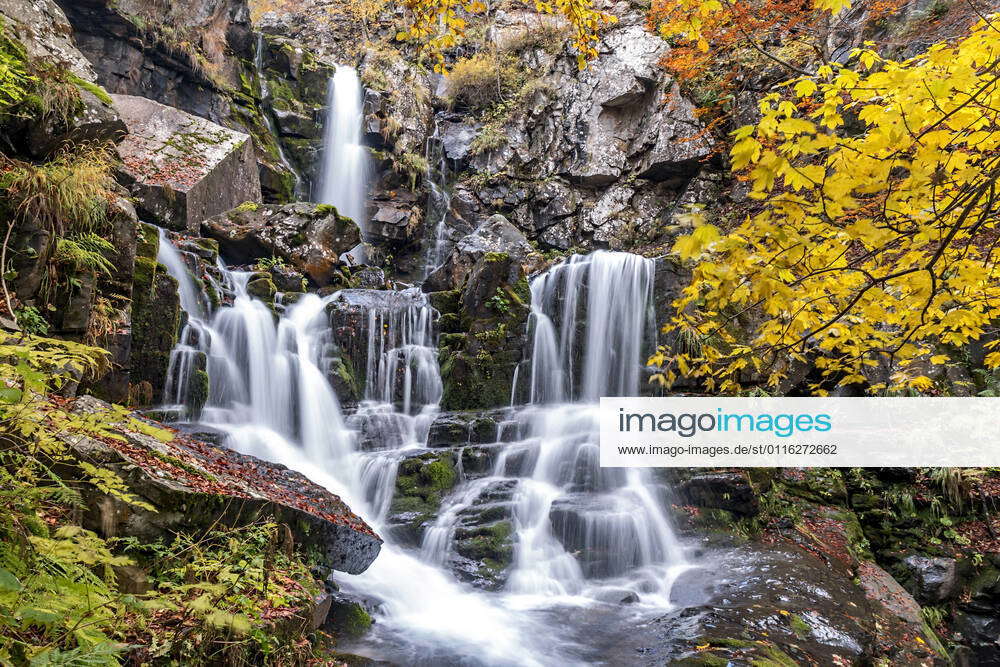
(43, 32)
(181, 168)
(494, 235)
(202, 486)
(780, 604)
(310, 237)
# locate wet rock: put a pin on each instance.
(379, 430)
(459, 428)
(287, 279)
(483, 546)
(349, 617)
(934, 580)
(422, 479)
(156, 316)
(759, 604)
(198, 485)
(456, 138)
(310, 237)
(181, 168)
(494, 236)
(605, 540)
(730, 491)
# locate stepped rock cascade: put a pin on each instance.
(583, 537)
(344, 169)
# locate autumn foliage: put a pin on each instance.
(875, 241)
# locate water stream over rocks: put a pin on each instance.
(581, 539)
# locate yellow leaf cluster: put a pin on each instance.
(438, 24)
(875, 241)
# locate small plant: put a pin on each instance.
(483, 80)
(412, 165)
(14, 78)
(84, 252)
(31, 321)
(248, 207)
(272, 262)
(499, 302)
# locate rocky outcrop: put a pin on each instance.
(35, 127)
(181, 168)
(293, 87)
(310, 237)
(494, 235)
(197, 485)
(156, 318)
(202, 57)
(779, 605)
(483, 337)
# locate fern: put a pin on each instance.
(86, 251)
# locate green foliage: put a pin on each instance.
(272, 262)
(499, 302)
(31, 321)
(84, 252)
(216, 597)
(413, 165)
(70, 193)
(14, 77)
(248, 207)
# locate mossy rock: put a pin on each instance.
(348, 618)
(490, 543)
(262, 288)
(446, 302)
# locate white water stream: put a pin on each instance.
(343, 178)
(271, 395)
(584, 537)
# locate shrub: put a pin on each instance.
(483, 80)
(71, 193)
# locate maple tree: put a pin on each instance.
(874, 243)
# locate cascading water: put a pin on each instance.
(343, 178)
(438, 202)
(584, 536)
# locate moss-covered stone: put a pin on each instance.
(156, 315)
(262, 288)
(348, 618)
(421, 482)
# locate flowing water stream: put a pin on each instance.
(585, 539)
(344, 168)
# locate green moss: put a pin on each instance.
(198, 389)
(445, 302)
(262, 288)
(352, 620)
(248, 207)
(799, 626)
(326, 209)
(439, 475)
(495, 257)
(92, 88)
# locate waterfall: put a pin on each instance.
(344, 170)
(438, 202)
(584, 536)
